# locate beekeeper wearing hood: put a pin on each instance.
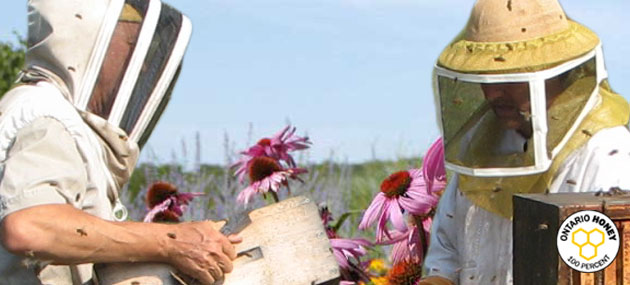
(97, 77)
(524, 106)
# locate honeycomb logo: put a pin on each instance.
(588, 241)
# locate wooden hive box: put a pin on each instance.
(537, 218)
(286, 244)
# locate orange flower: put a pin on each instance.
(404, 272)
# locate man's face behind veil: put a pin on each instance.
(510, 103)
(118, 55)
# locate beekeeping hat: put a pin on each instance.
(118, 59)
(513, 86)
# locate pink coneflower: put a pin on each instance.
(346, 249)
(401, 191)
(285, 141)
(277, 147)
(343, 249)
(327, 217)
(265, 175)
(407, 246)
(165, 203)
(433, 169)
(347, 252)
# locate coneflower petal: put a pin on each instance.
(433, 164)
(157, 209)
(372, 213)
(412, 206)
(381, 226)
(396, 216)
(341, 258)
(247, 193)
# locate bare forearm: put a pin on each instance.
(65, 235)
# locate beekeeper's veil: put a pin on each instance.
(118, 59)
(520, 88)
(519, 71)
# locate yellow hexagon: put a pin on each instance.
(588, 251)
(579, 237)
(596, 237)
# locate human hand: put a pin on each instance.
(198, 250)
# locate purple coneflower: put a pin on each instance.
(165, 204)
(407, 246)
(401, 191)
(266, 174)
(277, 147)
(285, 141)
(346, 250)
(433, 169)
(327, 217)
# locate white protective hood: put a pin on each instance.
(70, 43)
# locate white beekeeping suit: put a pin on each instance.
(524, 107)
(98, 75)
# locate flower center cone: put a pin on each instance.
(167, 216)
(264, 142)
(262, 167)
(396, 184)
(159, 192)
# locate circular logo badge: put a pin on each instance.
(588, 241)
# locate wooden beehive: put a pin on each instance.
(286, 244)
(537, 218)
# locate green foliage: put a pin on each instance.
(11, 61)
(137, 181)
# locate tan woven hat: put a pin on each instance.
(130, 14)
(504, 36)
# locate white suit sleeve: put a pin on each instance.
(42, 167)
(599, 165)
(442, 257)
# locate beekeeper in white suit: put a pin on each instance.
(525, 107)
(98, 75)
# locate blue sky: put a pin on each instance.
(355, 75)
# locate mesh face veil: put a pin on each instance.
(118, 59)
(514, 124)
